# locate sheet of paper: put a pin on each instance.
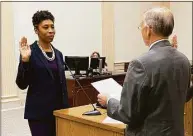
(112, 121)
(108, 87)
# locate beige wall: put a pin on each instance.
(128, 40)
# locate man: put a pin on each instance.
(156, 83)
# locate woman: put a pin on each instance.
(41, 69)
(97, 55)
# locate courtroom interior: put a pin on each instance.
(82, 29)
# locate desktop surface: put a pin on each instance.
(97, 76)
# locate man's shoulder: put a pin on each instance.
(144, 58)
(182, 55)
(153, 57)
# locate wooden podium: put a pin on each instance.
(71, 122)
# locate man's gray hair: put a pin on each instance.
(161, 20)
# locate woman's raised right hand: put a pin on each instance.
(24, 49)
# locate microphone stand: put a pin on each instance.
(89, 113)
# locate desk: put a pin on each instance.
(76, 95)
(71, 122)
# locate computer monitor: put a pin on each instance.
(77, 63)
(94, 62)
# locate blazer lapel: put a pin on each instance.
(59, 64)
(43, 59)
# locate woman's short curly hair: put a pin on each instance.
(40, 16)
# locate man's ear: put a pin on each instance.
(148, 32)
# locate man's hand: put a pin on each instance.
(102, 99)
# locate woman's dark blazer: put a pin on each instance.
(37, 76)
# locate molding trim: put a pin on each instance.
(10, 109)
(108, 33)
(6, 99)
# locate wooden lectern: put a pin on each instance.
(71, 122)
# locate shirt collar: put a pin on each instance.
(157, 42)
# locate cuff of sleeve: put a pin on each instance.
(25, 65)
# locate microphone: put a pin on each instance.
(89, 113)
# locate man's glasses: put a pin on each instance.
(139, 27)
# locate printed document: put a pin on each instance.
(108, 87)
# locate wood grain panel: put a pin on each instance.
(71, 122)
(188, 118)
(72, 128)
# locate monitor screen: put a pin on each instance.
(77, 63)
(94, 62)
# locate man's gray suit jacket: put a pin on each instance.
(154, 93)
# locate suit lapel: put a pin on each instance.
(43, 59)
(59, 64)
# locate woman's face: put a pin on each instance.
(46, 31)
(95, 55)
